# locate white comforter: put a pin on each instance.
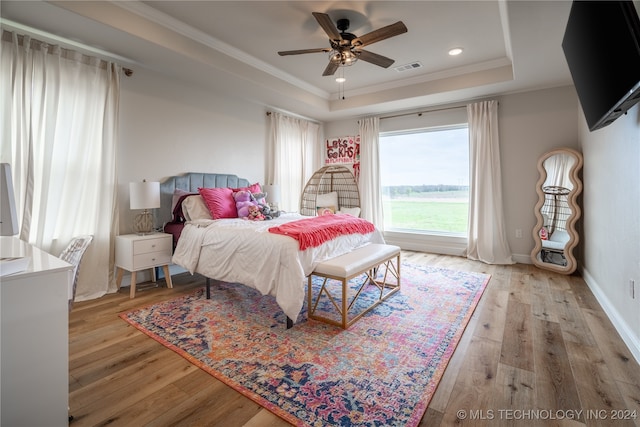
(242, 251)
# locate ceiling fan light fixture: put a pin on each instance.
(340, 79)
(344, 57)
(347, 62)
(346, 48)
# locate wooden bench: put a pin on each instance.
(365, 261)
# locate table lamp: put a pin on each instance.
(144, 195)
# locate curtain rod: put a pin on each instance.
(43, 36)
(420, 113)
(296, 116)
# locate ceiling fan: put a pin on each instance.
(347, 48)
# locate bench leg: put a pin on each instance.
(345, 297)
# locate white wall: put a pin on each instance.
(169, 128)
(531, 124)
(612, 220)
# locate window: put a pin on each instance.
(425, 180)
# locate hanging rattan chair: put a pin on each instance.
(326, 180)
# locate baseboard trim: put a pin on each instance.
(522, 258)
(626, 333)
(436, 244)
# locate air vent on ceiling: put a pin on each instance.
(407, 67)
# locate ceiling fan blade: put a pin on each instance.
(374, 58)
(380, 34)
(299, 52)
(331, 68)
(327, 25)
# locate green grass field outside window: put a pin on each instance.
(428, 212)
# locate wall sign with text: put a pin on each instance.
(344, 151)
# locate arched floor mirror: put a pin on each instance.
(557, 210)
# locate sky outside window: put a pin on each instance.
(426, 157)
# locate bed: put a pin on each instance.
(240, 251)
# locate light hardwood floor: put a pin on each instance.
(538, 351)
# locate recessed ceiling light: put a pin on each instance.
(341, 79)
(455, 51)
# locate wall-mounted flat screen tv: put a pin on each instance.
(602, 47)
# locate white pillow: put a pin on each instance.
(328, 200)
(194, 208)
(177, 193)
(350, 211)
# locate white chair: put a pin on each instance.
(73, 254)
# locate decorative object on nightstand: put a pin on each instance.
(144, 195)
(135, 252)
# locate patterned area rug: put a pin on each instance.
(382, 371)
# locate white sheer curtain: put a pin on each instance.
(293, 156)
(59, 117)
(370, 187)
(558, 169)
(487, 240)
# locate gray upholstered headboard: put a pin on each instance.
(191, 182)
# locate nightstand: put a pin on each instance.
(135, 253)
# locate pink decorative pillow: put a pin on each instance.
(253, 188)
(220, 202)
(326, 210)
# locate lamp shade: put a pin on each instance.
(144, 195)
(273, 193)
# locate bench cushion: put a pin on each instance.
(357, 261)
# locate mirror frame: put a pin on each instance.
(574, 238)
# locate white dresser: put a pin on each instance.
(34, 339)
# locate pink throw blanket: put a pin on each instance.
(314, 231)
